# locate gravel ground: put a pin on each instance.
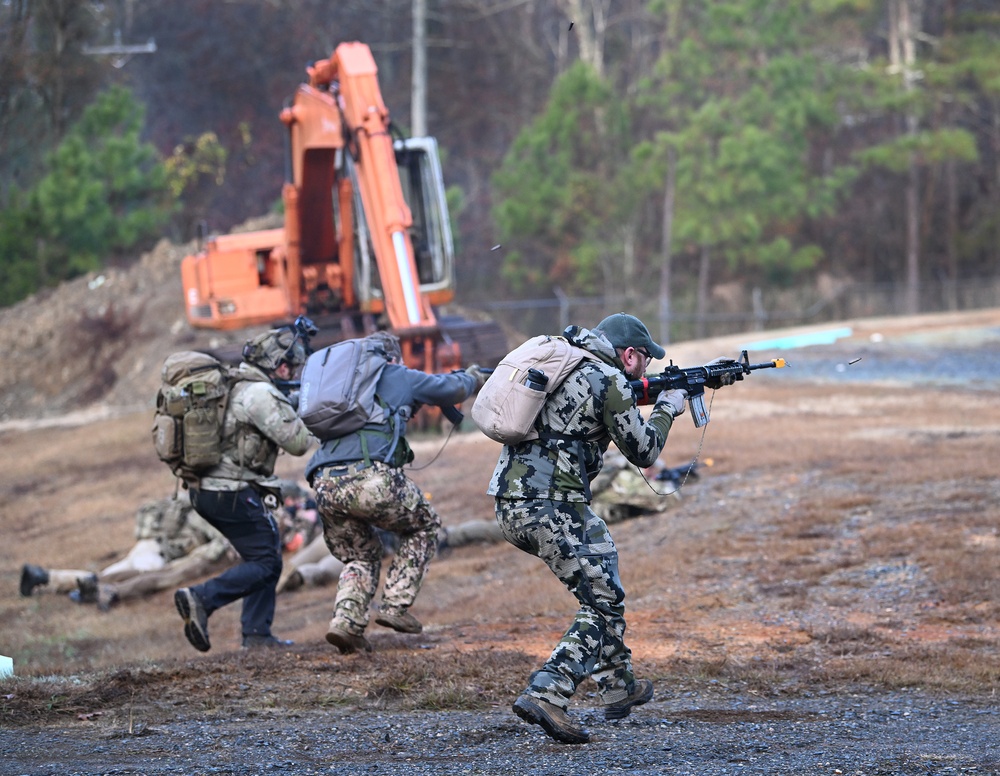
(729, 734)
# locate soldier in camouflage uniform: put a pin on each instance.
(622, 491)
(360, 485)
(172, 542)
(237, 496)
(542, 492)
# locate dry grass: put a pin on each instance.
(844, 536)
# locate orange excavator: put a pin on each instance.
(367, 240)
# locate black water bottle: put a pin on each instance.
(536, 379)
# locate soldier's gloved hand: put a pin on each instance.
(674, 400)
(476, 371)
(724, 379)
(293, 399)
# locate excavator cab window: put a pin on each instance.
(262, 266)
(423, 187)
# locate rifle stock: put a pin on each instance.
(695, 379)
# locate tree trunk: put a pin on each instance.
(666, 249)
(589, 19)
(701, 326)
(951, 233)
(904, 21)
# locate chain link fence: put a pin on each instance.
(738, 310)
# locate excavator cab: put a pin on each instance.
(430, 232)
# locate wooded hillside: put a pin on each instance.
(614, 147)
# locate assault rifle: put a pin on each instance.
(696, 379)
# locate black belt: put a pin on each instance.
(341, 469)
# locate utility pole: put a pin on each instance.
(120, 53)
(418, 98)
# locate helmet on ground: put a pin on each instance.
(274, 348)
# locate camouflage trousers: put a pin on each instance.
(575, 544)
(351, 506)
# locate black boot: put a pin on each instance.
(32, 577)
(87, 588)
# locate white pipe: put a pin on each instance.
(403, 264)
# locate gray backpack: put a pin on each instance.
(337, 388)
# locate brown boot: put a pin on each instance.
(87, 589)
(347, 643)
(191, 610)
(292, 582)
(554, 721)
(404, 623)
(641, 692)
(107, 596)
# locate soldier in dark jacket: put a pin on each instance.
(360, 486)
(238, 495)
(542, 492)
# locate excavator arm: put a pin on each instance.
(366, 230)
(353, 74)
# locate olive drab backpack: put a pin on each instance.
(337, 388)
(510, 401)
(190, 407)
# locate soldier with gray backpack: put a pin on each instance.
(220, 431)
(357, 397)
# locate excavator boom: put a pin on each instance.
(366, 240)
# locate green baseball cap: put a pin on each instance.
(626, 331)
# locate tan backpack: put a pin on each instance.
(190, 407)
(507, 406)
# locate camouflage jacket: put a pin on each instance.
(174, 525)
(593, 407)
(259, 422)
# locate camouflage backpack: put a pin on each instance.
(190, 407)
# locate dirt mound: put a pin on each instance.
(98, 339)
(94, 345)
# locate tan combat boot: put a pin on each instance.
(641, 692)
(404, 622)
(346, 642)
(554, 721)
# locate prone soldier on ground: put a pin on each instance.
(173, 545)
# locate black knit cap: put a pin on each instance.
(626, 331)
